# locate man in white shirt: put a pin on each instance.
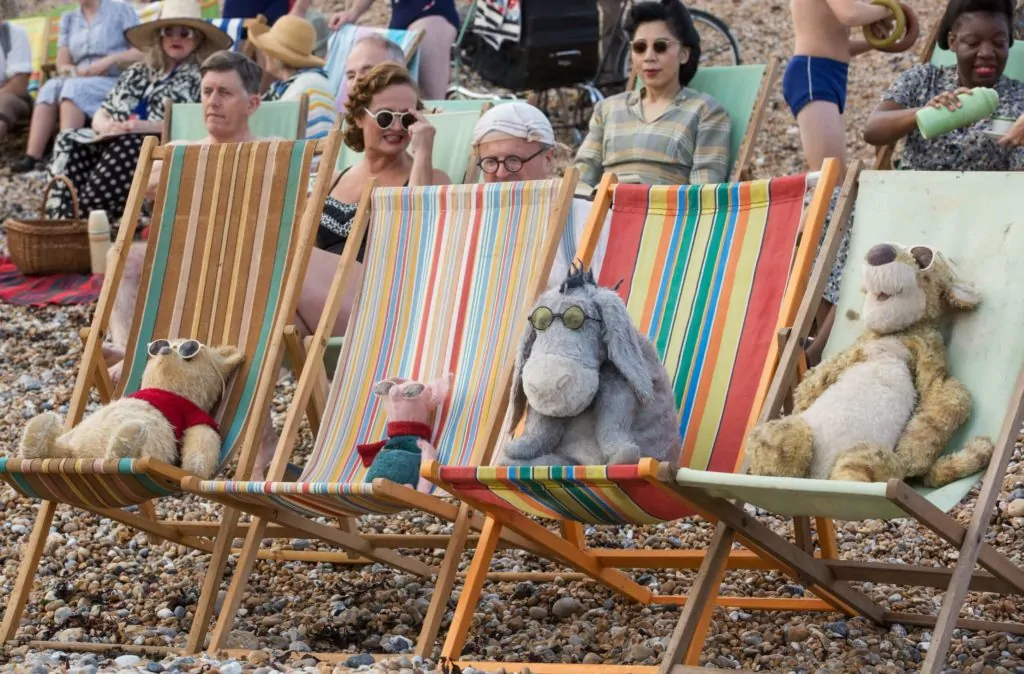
(515, 141)
(15, 69)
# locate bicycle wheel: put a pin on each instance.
(718, 46)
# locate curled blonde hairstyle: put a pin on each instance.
(377, 79)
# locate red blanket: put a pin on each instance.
(38, 291)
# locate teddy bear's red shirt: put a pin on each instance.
(180, 412)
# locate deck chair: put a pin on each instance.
(230, 238)
(984, 352)
(340, 45)
(273, 119)
(710, 276)
(37, 28)
(462, 105)
(445, 270)
(744, 92)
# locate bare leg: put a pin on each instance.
(823, 134)
(316, 286)
(435, 55)
(71, 116)
(44, 119)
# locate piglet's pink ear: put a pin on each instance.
(438, 390)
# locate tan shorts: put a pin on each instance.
(15, 111)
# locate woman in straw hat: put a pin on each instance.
(287, 49)
(100, 161)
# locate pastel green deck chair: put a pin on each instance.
(228, 246)
(743, 91)
(273, 119)
(461, 105)
(446, 270)
(985, 352)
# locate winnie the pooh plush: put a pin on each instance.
(167, 419)
(885, 407)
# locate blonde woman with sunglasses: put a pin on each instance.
(662, 133)
(384, 121)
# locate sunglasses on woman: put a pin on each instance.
(385, 118)
(188, 349)
(660, 46)
(183, 32)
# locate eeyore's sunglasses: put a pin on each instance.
(573, 318)
(187, 349)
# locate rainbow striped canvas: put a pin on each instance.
(215, 269)
(36, 27)
(704, 271)
(447, 272)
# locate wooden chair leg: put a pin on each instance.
(445, 582)
(458, 631)
(297, 355)
(573, 532)
(147, 509)
(27, 573)
(691, 630)
(826, 529)
(211, 582)
(239, 582)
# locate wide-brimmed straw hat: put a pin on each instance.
(177, 13)
(291, 39)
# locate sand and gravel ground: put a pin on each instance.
(102, 582)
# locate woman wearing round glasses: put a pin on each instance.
(101, 161)
(384, 121)
(662, 133)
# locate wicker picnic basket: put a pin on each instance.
(46, 246)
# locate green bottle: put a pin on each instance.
(975, 106)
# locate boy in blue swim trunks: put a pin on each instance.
(814, 84)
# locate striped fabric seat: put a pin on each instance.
(233, 27)
(36, 27)
(705, 270)
(340, 45)
(221, 246)
(447, 272)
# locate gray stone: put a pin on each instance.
(566, 607)
(128, 661)
(231, 667)
(361, 660)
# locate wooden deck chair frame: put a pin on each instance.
(998, 573)
(604, 565)
(741, 162)
(300, 132)
(361, 548)
(92, 373)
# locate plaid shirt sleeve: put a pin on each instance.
(590, 157)
(711, 151)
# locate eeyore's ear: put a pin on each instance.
(526, 340)
(622, 342)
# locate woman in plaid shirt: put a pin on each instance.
(663, 133)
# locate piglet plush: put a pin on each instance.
(409, 406)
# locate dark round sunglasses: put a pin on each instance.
(660, 46)
(385, 118)
(573, 318)
(188, 349)
(512, 163)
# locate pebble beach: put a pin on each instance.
(101, 582)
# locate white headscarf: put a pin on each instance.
(515, 119)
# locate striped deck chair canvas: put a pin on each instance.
(225, 247)
(706, 275)
(446, 270)
(37, 28)
(340, 45)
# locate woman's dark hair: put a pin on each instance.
(957, 8)
(680, 24)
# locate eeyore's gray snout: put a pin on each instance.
(557, 386)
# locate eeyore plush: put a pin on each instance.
(593, 387)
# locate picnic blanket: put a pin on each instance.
(38, 291)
